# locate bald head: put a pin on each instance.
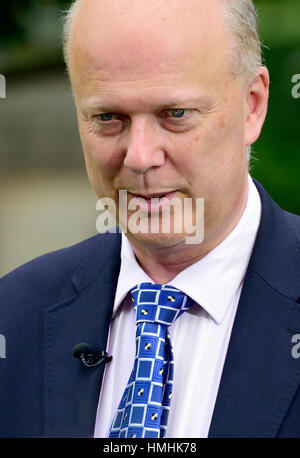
(239, 16)
(126, 37)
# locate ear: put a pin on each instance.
(256, 104)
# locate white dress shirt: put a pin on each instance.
(199, 337)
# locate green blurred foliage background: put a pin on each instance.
(40, 151)
(277, 150)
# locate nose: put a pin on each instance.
(144, 149)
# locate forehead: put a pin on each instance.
(148, 44)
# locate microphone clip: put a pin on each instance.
(84, 352)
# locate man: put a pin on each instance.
(170, 96)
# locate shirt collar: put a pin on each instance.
(213, 281)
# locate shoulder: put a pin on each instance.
(291, 235)
(271, 209)
(47, 279)
(293, 221)
(276, 253)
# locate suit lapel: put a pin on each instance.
(72, 390)
(260, 376)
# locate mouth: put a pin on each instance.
(154, 201)
(157, 195)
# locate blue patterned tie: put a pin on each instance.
(144, 407)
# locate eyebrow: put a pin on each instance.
(180, 102)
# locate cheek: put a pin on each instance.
(199, 151)
(221, 122)
(210, 155)
(100, 153)
(221, 140)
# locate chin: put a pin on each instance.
(159, 240)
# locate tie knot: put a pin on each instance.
(161, 304)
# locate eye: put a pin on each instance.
(175, 114)
(106, 116)
(108, 123)
(178, 112)
(178, 119)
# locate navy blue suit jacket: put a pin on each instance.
(57, 300)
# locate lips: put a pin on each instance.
(151, 196)
(154, 201)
